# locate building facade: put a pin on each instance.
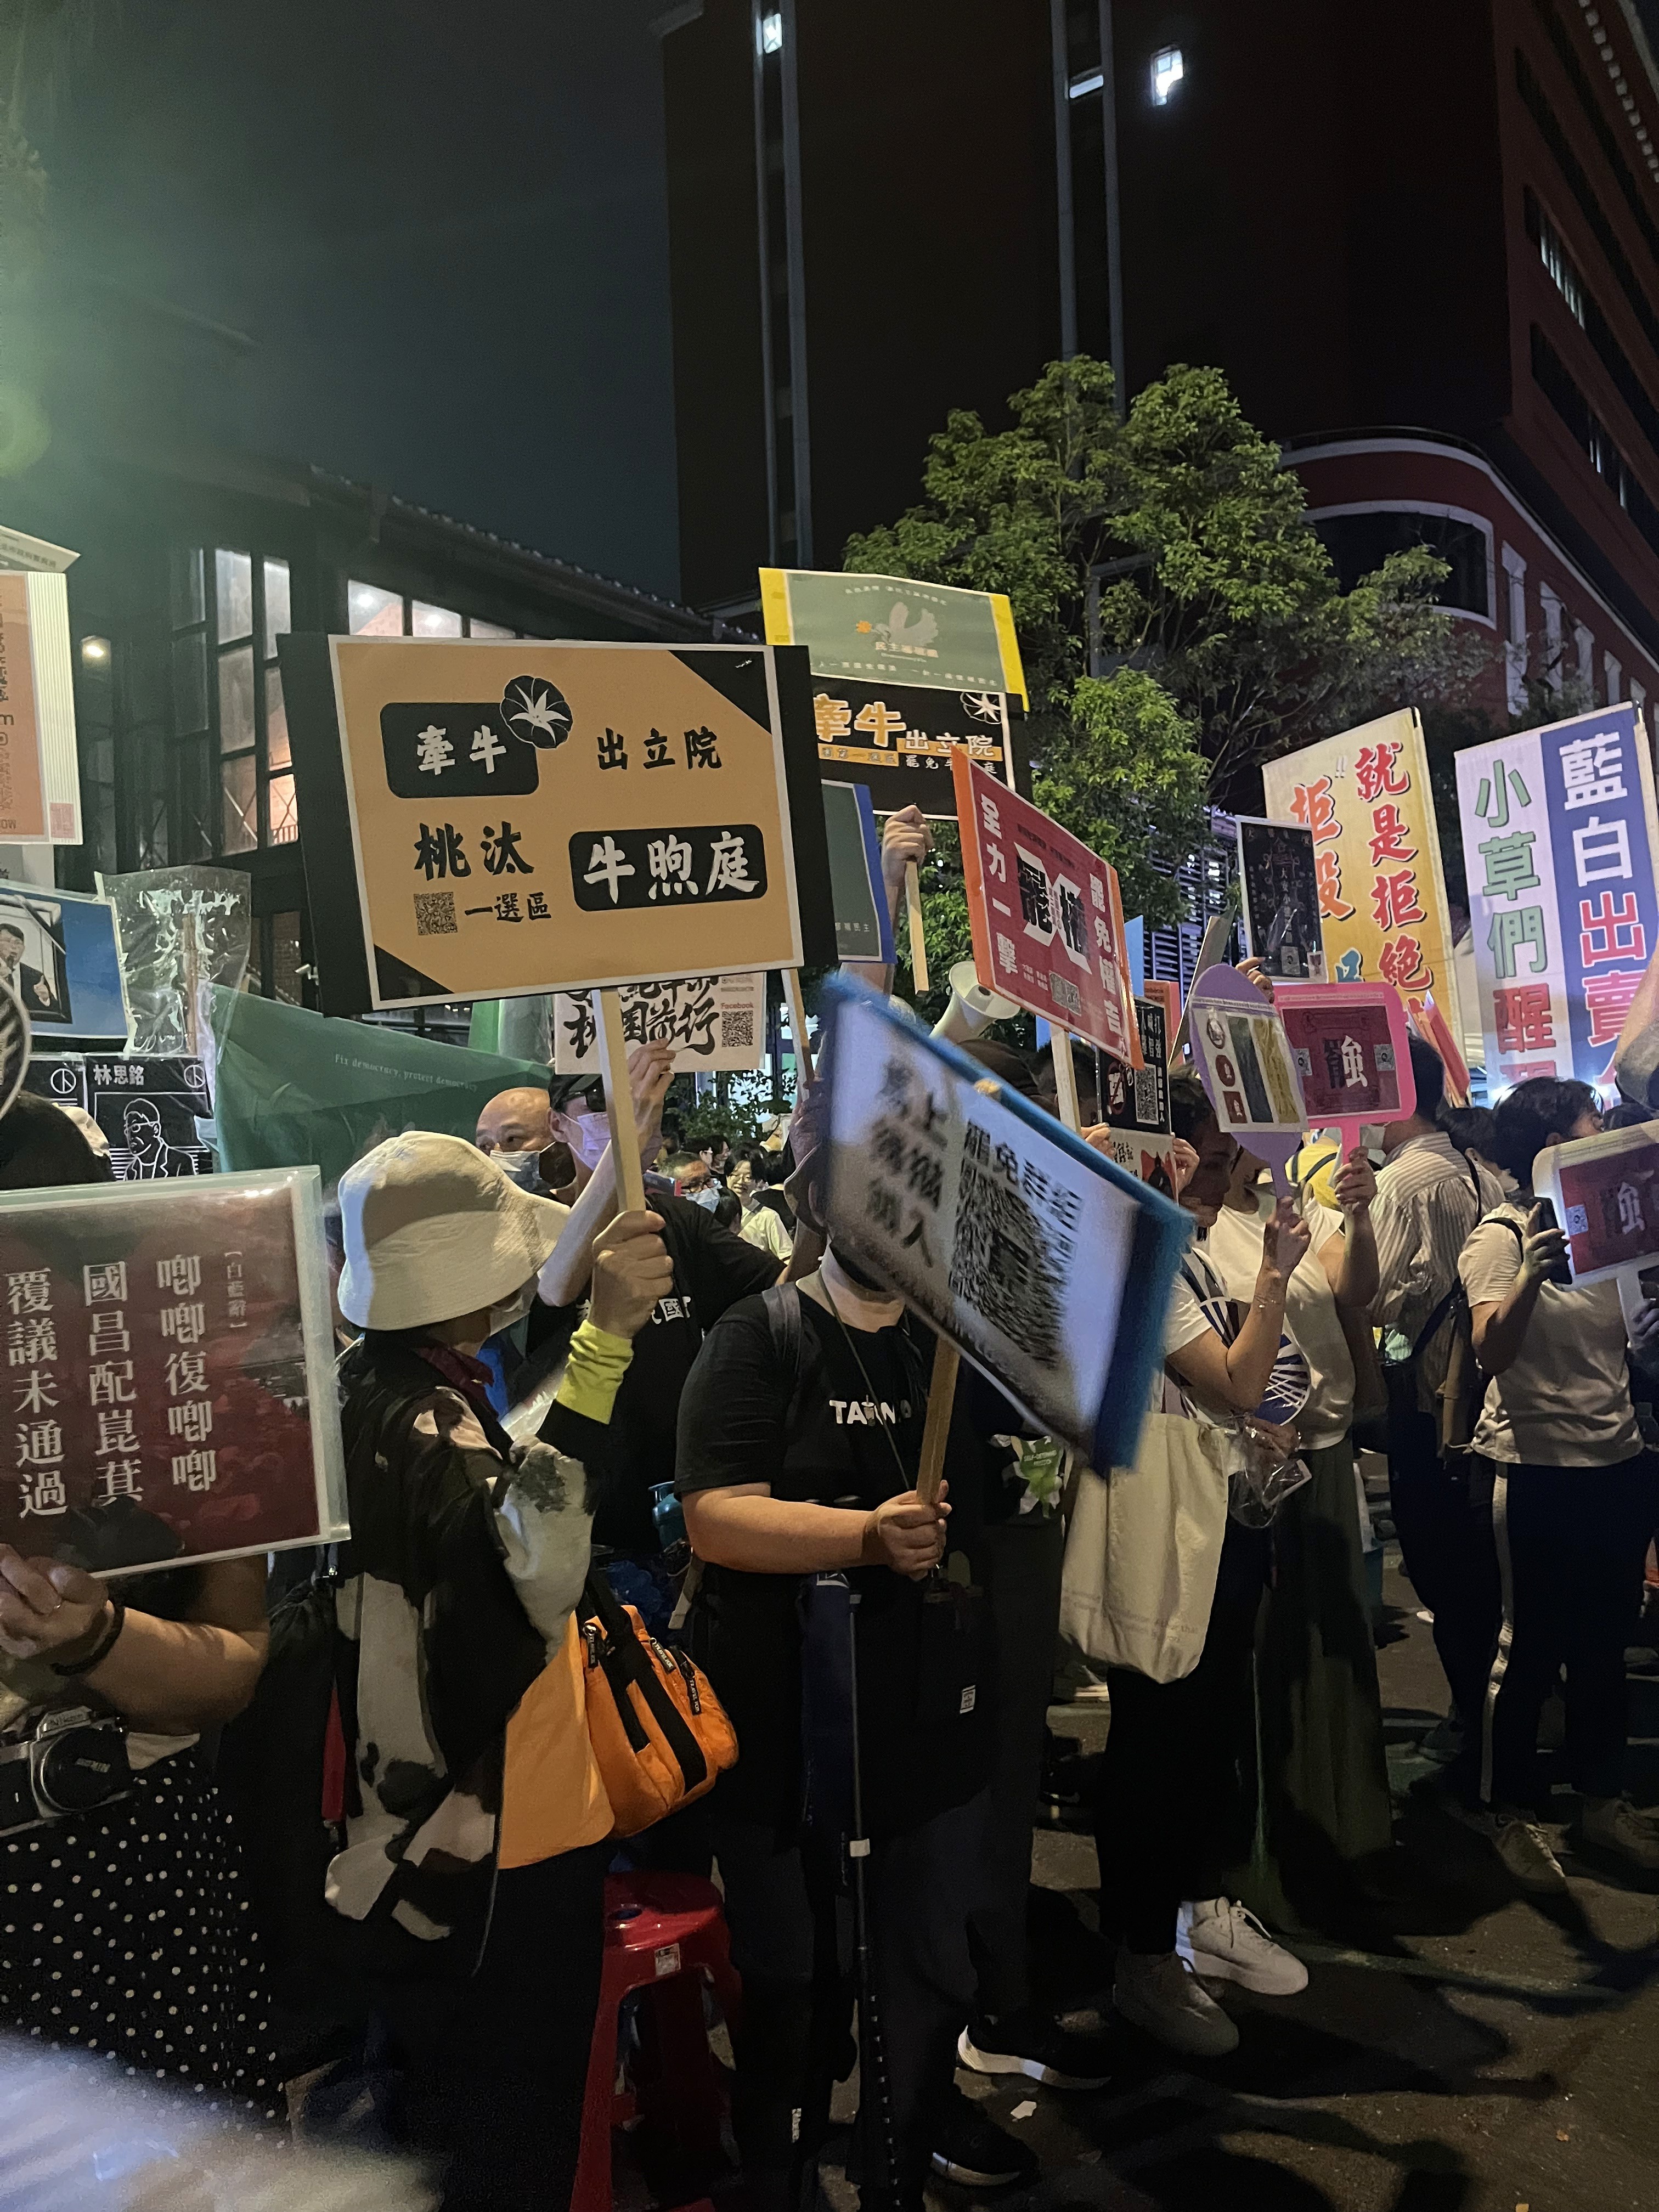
(195, 557)
(1422, 241)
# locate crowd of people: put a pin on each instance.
(711, 1407)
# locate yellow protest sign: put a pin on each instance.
(1364, 794)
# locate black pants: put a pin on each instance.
(792, 1943)
(1021, 1561)
(1443, 1517)
(493, 2069)
(1171, 1810)
(1571, 1543)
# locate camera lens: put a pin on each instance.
(81, 1768)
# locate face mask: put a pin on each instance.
(591, 1135)
(524, 1169)
(516, 1308)
(709, 1198)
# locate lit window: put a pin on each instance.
(433, 621)
(771, 34)
(1081, 87)
(1168, 70)
(373, 612)
(476, 627)
(1565, 277)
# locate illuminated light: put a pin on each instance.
(1081, 87)
(771, 34)
(95, 651)
(1168, 70)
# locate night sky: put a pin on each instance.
(444, 227)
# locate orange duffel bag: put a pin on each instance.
(660, 1733)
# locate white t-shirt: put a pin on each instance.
(1565, 1401)
(1310, 1318)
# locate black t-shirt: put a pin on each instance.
(843, 1435)
(713, 1269)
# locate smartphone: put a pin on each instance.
(1563, 1274)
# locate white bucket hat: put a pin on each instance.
(433, 1229)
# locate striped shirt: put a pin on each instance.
(1426, 1207)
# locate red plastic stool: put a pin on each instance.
(663, 1932)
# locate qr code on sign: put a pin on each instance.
(434, 913)
(1146, 1097)
(737, 1029)
(1064, 992)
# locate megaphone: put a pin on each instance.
(972, 1007)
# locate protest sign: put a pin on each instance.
(1560, 838)
(1167, 995)
(898, 740)
(1433, 1028)
(1352, 1051)
(1280, 891)
(1135, 1102)
(487, 818)
(57, 951)
(891, 629)
(14, 1045)
(170, 1359)
(1009, 1235)
(712, 1021)
(39, 770)
(1365, 796)
(864, 929)
(1605, 1190)
(1244, 1063)
(1046, 916)
(152, 1109)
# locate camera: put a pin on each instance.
(70, 1762)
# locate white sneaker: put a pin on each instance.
(1161, 1996)
(1613, 1823)
(1223, 1943)
(1524, 1850)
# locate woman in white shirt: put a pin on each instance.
(1324, 1776)
(1574, 1503)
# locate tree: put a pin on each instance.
(1180, 620)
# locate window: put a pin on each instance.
(373, 611)
(1168, 70)
(1585, 308)
(1081, 87)
(1560, 387)
(771, 32)
(1555, 259)
(1359, 544)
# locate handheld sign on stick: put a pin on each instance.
(1352, 1052)
(1244, 1063)
(1605, 1190)
(798, 1025)
(619, 1102)
(918, 938)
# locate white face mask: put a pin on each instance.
(523, 1169)
(709, 1198)
(592, 1134)
(516, 1308)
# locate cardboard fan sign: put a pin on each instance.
(1352, 1052)
(170, 1361)
(1605, 1190)
(1247, 1067)
(1040, 1259)
(490, 817)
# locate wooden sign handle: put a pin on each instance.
(941, 1396)
(798, 1025)
(918, 938)
(619, 1102)
(1064, 1080)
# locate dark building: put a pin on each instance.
(1422, 241)
(196, 554)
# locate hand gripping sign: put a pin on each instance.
(1605, 1190)
(1245, 1064)
(1352, 1049)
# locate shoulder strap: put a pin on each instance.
(783, 1319)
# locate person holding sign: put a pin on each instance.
(473, 1870)
(1166, 1807)
(799, 1448)
(154, 1662)
(1574, 1502)
(1324, 1777)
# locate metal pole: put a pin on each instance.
(768, 398)
(1063, 179)
(1113, 208)
(793, 229)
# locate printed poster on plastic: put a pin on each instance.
(1352, 1052)
(1003, 1230)
(1245, 1065)
(491, 817)
(1561, 840)
(1135, 1102)
(170, 1367)
(1046, 916)
(1365, 795)
(153, 1108)
(1279, 889)
(58, 952)
(712, 1021)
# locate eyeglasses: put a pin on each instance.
(589, 1100)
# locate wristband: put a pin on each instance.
(104, 1646)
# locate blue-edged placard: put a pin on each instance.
(57, 952)
(864, 929)
(1038, 1257)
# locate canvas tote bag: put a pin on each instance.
(1144, 1548)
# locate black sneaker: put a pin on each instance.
(1027, 2043)
(971, 2149)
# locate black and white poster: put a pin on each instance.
(1280, 883)
(151, 1110)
